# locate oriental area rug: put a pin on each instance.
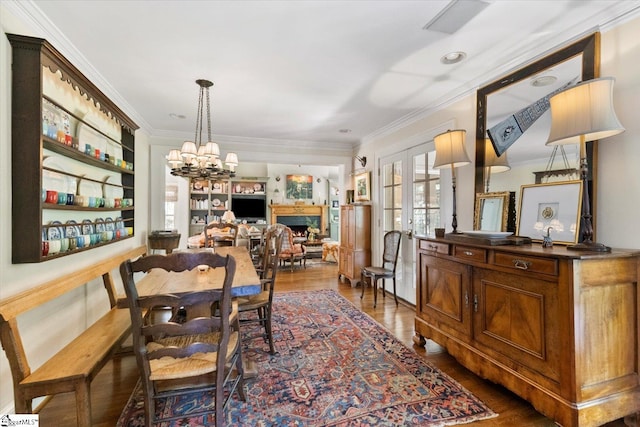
(334, 366)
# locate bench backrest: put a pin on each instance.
(22, 302)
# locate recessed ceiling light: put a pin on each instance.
(453, 58)
(345, 131)
(177, 116)
(543, 81)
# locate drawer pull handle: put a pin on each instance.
(521, 264)
(433, 248)
(468, 253)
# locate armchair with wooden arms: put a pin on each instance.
(291, 251)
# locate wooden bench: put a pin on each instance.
(74, 366)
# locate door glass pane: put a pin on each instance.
(392, 207)
(397, 197)
(426, 194)
(397, 172)
(434, 194)
(397, 220)
(387, 174)
(418, 195)
(388, 219)
(388, 197)
(420, 221)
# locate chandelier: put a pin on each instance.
(198, 159)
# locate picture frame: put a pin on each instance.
(335, 204)
(491, 211)
(362, 186)
(552, 207)
(299, 187)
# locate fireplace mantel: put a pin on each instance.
(300, 211)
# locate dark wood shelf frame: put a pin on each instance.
(30, 56)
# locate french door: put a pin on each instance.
(410, 202)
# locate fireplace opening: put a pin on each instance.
(299, 224)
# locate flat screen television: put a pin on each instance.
(249, 208)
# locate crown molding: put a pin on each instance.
(42, 26)
(622, 12)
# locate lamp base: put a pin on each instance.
(589, 246)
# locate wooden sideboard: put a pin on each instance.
(560, 328)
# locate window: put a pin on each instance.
(170, 199)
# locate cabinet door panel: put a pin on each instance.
(514, 316)
(444, 299)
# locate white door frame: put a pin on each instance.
(403, 146)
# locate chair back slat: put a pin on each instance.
(212, 239)
(391, 249)
(182, 352)
(274, 238)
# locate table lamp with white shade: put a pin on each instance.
(582, 113)
(493, 163)
(451, 152)
(228, 217)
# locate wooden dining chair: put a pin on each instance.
(262, 302)
(200, 352)
(388, 268)
(220, 234)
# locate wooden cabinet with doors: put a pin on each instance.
(355, 241)
(559, 328)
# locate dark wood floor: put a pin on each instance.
(112, 387)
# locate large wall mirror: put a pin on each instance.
(530, 160)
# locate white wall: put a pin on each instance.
(69, 315)
(618, 199)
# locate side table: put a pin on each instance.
(314, 248)
(164, 240)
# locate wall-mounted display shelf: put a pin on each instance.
(72, 158)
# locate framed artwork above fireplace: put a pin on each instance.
(299, 187)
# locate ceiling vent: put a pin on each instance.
(455, 15)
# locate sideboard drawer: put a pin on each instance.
(519, 262)
(440, 248)
(470, 254)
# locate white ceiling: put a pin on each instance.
(303, 70)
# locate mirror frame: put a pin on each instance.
(589, 48)
(507, 203)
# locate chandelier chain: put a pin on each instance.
(198, 136)
(208, 116)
